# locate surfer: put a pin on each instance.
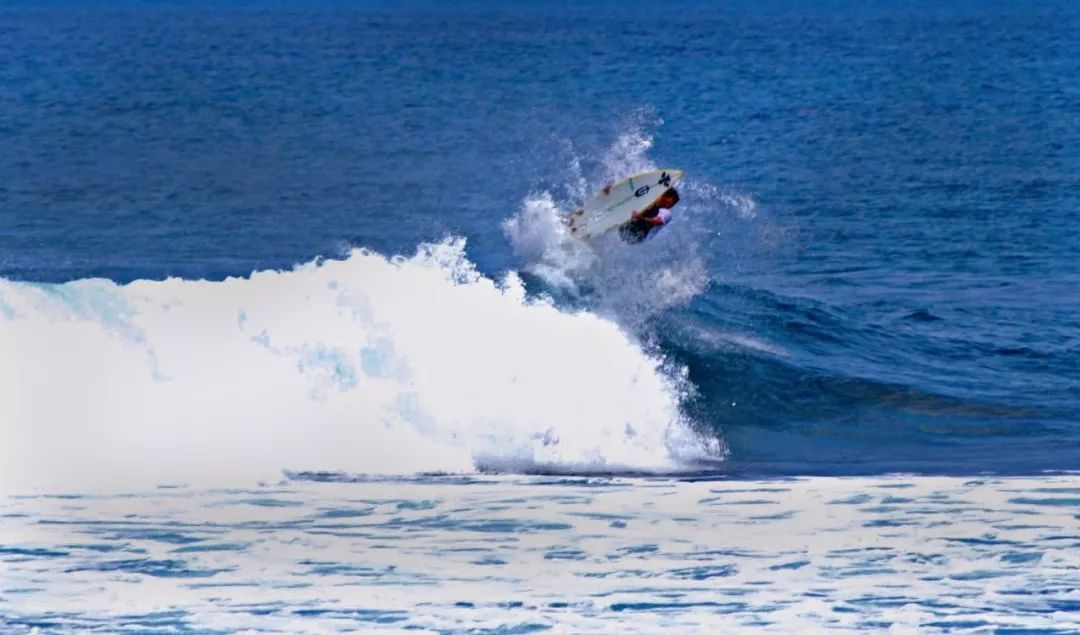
(651, 219)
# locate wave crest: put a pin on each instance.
(364, 365)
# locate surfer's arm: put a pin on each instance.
(650, 216)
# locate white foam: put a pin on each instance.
(892, 553)
(543, 241)
(361, 365)
(630, 284)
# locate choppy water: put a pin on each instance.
(322, 240)
(574, 555)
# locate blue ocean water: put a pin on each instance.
(292, 338)
(873, 268)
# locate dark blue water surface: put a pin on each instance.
(907, 276)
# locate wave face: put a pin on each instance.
(852, 370)
(367, 365)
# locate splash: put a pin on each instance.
(541, 237)
(629, 284)
(628, 155)
(366, 365)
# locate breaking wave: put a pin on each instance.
(363, 365)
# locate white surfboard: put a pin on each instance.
(616, 203)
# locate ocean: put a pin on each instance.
(293, 338)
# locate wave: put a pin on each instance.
(632, 285)
(364, 365)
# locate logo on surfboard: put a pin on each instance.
(665, 180)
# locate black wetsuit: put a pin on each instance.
(635, 231)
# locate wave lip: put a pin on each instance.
(365, 365)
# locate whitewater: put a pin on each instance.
(359, 365)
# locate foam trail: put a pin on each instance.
(362, 365)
